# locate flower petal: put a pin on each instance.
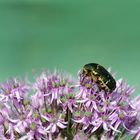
(61, 125)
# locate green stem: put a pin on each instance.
(69, 132)
(121, 136)
(54, 107)
(16, 109)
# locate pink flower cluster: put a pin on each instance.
(56, 107)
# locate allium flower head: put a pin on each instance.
(14, 89)
(57, 107)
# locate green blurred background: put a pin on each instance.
(66, 34)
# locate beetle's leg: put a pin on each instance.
(85, 72)
(82, 80)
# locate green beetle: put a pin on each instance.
(99, 75)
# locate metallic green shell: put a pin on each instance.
(104, 78)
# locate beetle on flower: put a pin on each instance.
(56, 106)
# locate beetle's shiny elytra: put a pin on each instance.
(99, 75)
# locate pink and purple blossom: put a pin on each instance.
(56, 106)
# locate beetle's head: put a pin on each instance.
(90, 67)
